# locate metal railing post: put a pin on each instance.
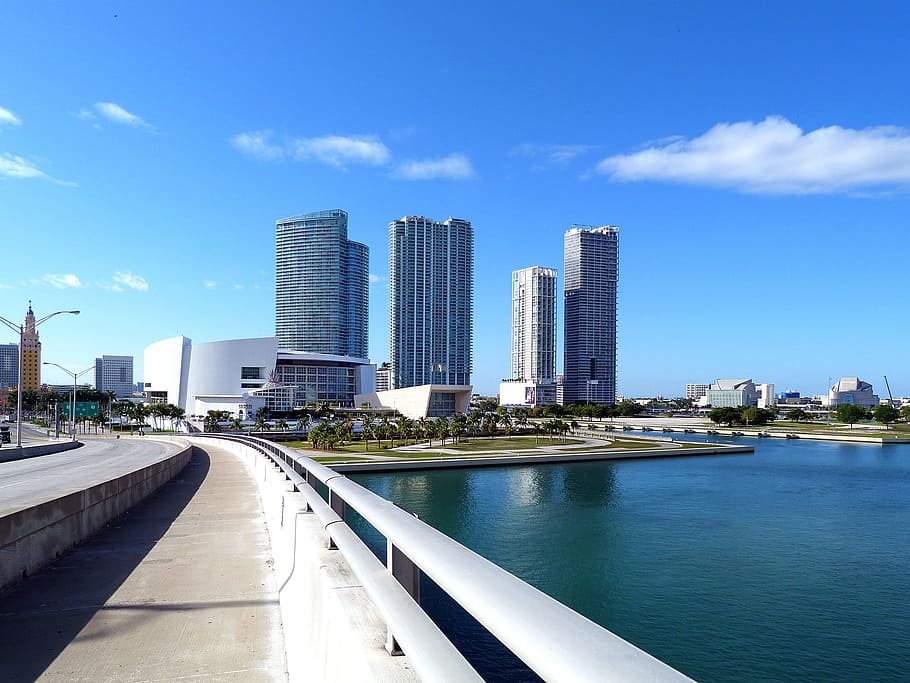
(408, 575)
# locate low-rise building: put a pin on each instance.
(732, 393)
(854, 391)
(427, 400)
(522, 394)
(696, 391)
(243, 375)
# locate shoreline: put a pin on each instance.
(542, 459)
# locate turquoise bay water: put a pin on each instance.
(791, 564)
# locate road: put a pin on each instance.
(24, 483)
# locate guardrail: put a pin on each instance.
(553, 640)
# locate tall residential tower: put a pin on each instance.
(591, 275)
(534, 324)
(431, 282)
(321, 285)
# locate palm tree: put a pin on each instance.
(423, 430)
(366, 430)
(507, 423)
(458, 426)
(441, 428)
(473, 421)
(281, 424)
(406, 428)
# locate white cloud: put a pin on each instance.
(115, 113)
(774, 156)
(557, 155)
(209, 284)
(62, 281)
(376, 279)
(257, 143)
(132, 281)
(335, 150)
(8, 118)
(453, 167)
(13, 166)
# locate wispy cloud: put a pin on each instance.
(8, 118)
(258, 144)
(377, 279)
(774, 156)
(209, 284)
(452, 167)
(128, 279)
(62, 281)
(336, 150)
(13, 166)
(554, 155)
(114, 113)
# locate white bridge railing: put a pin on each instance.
(554, 641)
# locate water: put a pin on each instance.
(791, 564)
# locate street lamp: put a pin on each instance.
(75, 375)
(21, 330)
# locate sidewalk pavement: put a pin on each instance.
(181, 587)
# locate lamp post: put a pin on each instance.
(21, 330)
(75, 375)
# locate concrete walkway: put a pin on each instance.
(179, 588)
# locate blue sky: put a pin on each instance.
(756, 157)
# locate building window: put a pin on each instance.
(250, 373)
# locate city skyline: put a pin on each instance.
(762, 193)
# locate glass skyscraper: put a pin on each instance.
(591, 275)
(321, 285)
(115, 373)
(9, 366)
(534, 324)
(431, 283)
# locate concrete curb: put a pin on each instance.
(10, 454)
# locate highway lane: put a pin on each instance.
(24, 483)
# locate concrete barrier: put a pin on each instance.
(34, 537)
(9, 454)
(333, 631)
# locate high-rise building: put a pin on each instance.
(9, 366)
(431, 282)
(534, 324)
(31, 353)
(321, 285)
(115, 373)
(591, 275)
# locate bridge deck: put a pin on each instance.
(180, 587)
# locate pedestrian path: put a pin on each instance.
(181, 587)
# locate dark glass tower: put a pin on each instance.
(321, 285)
(591, 275)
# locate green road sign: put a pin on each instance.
(83, 409)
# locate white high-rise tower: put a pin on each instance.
(534, 324)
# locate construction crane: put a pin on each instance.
(890, 397)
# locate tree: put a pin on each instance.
(757, 416)
(850, 413)
(796, 414)
(728, 416)
(905, 413)
(885, 414)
